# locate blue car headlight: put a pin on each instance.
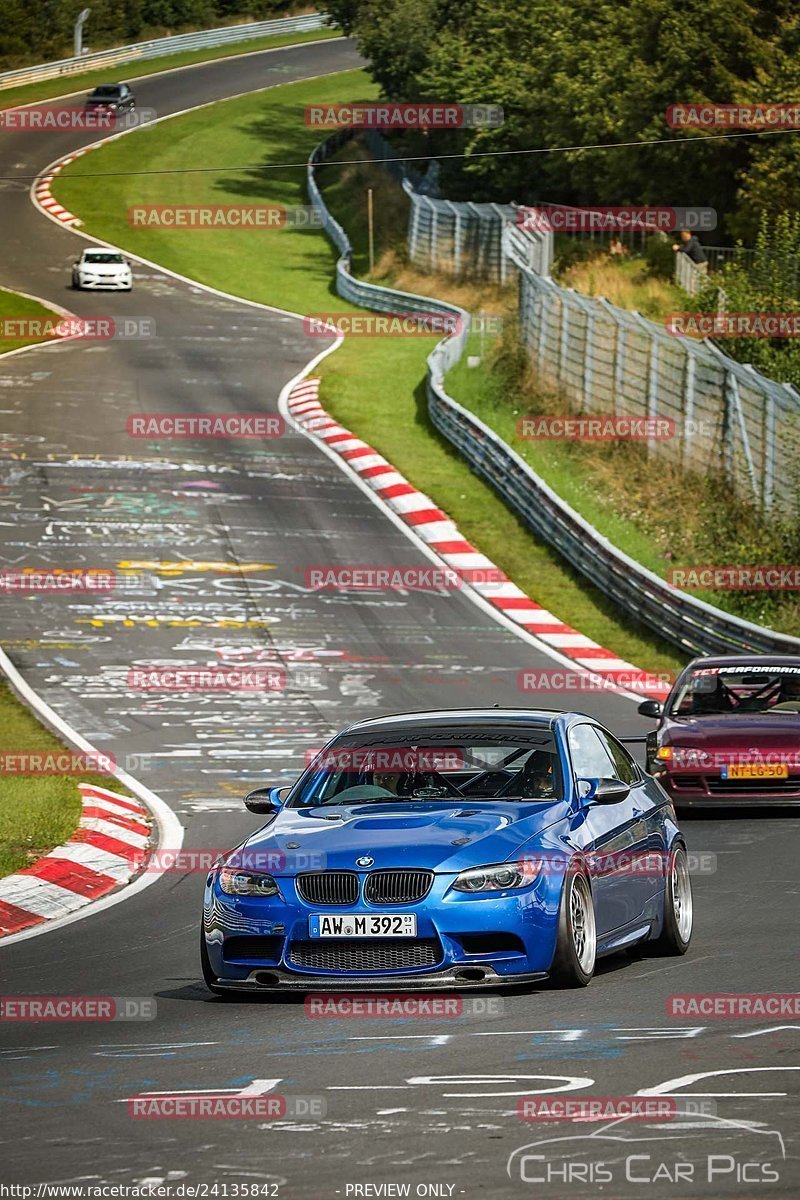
(499, 878)
(247, 883)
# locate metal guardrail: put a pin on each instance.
(687, 622)
(606, 359)
(684, 620)
(372, 295)
(141, 51)
(691, 276)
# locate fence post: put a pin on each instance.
(652, 373)
(434, 236)
(768, 477)
(588, 371)
(413, 235)
(562, 353)
(732, 413)
(542, 294)
(689, 369)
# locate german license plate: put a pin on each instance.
(358, 925)
(755, 771)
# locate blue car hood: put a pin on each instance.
(405, 834)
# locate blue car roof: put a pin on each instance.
(542, 718)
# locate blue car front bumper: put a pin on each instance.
(462, 940)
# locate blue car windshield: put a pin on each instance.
(481, 765)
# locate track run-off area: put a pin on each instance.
(214, 539)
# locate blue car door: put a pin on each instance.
(615, 836)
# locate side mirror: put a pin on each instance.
(263, 800)
(651, 708)
(611, 791)
(602, 791)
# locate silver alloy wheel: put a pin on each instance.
(681, 890)
(581, 912)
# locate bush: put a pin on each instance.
(659, 256)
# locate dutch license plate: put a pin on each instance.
(755, 771)
(357, 925)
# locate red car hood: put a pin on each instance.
(779, 732)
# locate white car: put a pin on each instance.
(102, 269)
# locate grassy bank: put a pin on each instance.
(374, 385)
(37, 812)
(13, 308)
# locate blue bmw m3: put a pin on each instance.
(453, 849)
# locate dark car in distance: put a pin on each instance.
(111, 97)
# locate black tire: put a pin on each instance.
(209, 978)
(572, 966)
(676, 933)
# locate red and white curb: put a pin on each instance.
(45, 197)
(106, 851)
(442, 536)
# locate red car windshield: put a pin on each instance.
(713, 691)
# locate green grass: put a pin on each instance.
(290, 267)
(373, 385)
(37, 812)
(480, 390)
(626, 282)
(30, 92)
(14, 307)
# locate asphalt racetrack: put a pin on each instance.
(426, 1104)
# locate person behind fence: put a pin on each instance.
(689, 245)
(616, 249)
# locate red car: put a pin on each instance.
(729, 732)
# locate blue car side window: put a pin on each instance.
(590, 759)
(624, 766)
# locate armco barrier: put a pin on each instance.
(141, 51)
(684, 620)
